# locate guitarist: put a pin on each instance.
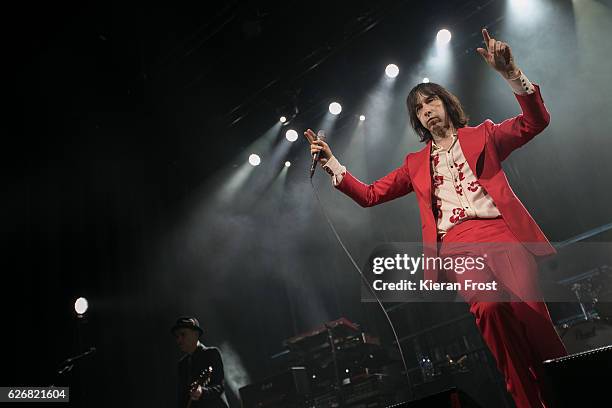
(195, 389)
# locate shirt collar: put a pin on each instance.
(435, 148)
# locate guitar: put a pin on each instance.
(202, 381)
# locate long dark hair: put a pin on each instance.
(453, 108)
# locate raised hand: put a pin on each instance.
(499, 56)
(318, 145)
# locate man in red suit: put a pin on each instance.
(464, 197)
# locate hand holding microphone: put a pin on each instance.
(319, 150)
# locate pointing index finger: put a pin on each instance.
(486, 37)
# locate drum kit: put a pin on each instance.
(587, 323)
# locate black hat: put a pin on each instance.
(187, 323)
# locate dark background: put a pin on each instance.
(127, 133)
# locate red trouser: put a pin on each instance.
(520, 334)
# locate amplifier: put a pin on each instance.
(373, 391)
(327, 400)
(285, 389)
(372, 387)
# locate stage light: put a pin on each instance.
(392, 70)
(287, 163)
(254, 160)
(283, 119)
(443, 36)
(425, 80)
(362, 118)
(335, 108)
(81, 305)
(291, 135)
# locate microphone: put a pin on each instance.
(315, 157)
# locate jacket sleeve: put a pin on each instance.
(393, 185)
(515, 132)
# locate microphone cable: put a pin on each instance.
(364, 281)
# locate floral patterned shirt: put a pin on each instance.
(456, 194)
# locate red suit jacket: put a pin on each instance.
(485, 147)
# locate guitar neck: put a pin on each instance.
(202, 381)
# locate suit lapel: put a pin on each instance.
(422, 172)
(471, 140)
(472, 143)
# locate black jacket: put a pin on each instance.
(190, 367)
